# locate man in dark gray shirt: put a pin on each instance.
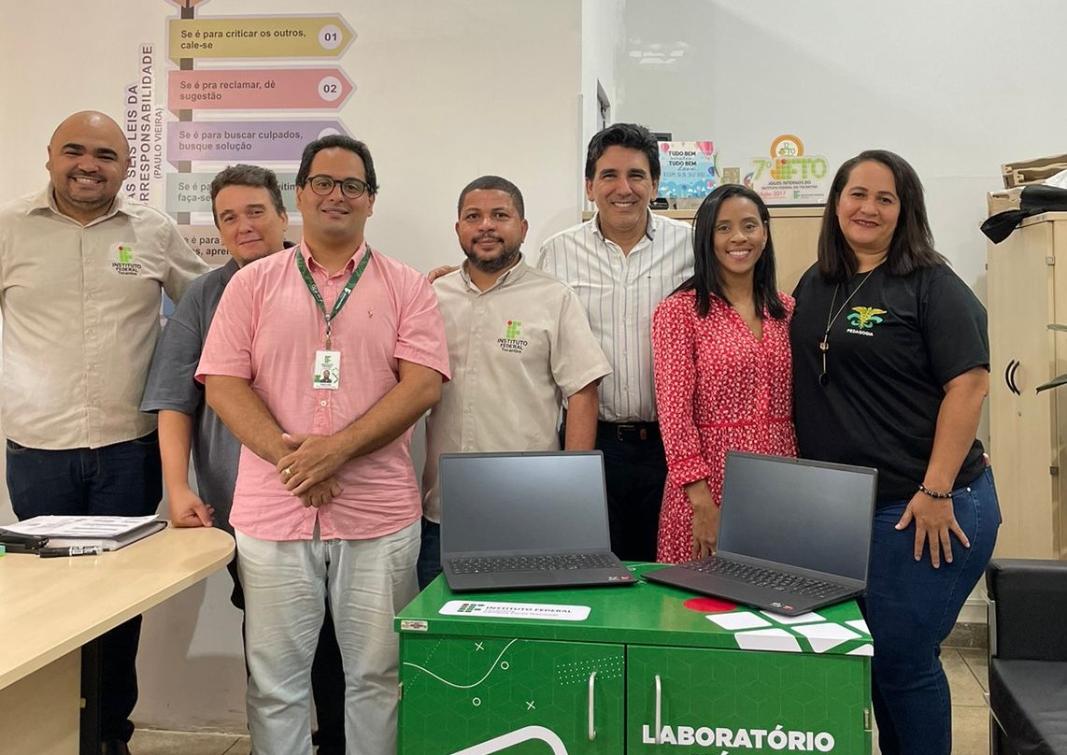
(250, 215)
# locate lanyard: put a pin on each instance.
(341, 298)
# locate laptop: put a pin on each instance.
(526, 520)
(794, 535)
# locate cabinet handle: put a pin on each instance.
(659, 709)
(1009, 376)
(592, 706)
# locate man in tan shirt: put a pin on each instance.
(81, 270)
(519, 343)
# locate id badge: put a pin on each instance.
(327, 373)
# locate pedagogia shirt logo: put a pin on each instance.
(863, 320)
(512, 341)
(125, 262)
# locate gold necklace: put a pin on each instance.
(831, 316)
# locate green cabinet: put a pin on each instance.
(518, 696)
(741, 701)
(628, 670)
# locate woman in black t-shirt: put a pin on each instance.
(890, 368)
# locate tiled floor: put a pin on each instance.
(966, 668)
(152, 742)
(970, 715)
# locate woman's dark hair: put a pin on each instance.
(707, 279)
(912, 246)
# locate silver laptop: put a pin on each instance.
(794, 535)
(525, 520)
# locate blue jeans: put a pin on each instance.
(910, 608)
(123, 479)
(429, 563)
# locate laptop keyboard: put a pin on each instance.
(560, 562)
(763, 577)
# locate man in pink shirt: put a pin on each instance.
(320, 361)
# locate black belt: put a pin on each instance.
(629, 432)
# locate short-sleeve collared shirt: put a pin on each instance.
(81, 316)
(516, 350)
(171, 386)
(267, 329)
(620, 292)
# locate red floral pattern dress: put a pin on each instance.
(718, 389)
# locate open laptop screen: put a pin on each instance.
(769, 501)
(523, 503)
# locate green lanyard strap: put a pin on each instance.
(341, 298)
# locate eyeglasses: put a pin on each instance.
(352, 188)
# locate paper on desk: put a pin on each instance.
(738, 620)
(824, 637)
(775, 639)
(79, 526)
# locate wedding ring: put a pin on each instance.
(288, 471)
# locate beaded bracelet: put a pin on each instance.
(934, 493)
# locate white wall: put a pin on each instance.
(957, 87)
(445, 92)
(602, 40)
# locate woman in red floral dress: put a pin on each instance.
(723, 368)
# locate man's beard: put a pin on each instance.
(502, 261)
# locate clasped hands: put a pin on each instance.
(308, 470)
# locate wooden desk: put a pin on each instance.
(50, 607)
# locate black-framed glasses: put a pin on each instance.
(353, 188)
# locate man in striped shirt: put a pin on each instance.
(622, 263)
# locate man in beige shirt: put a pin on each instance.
(81, 270)
(519, 343)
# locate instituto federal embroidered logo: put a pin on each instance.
(125, 261)
(863, 320)
(512, 341)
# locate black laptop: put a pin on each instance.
(525, 520)
(794, 535)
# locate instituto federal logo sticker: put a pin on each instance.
(512, 341)
(125, 260)
(514, 610)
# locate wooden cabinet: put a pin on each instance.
(1027, 279)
